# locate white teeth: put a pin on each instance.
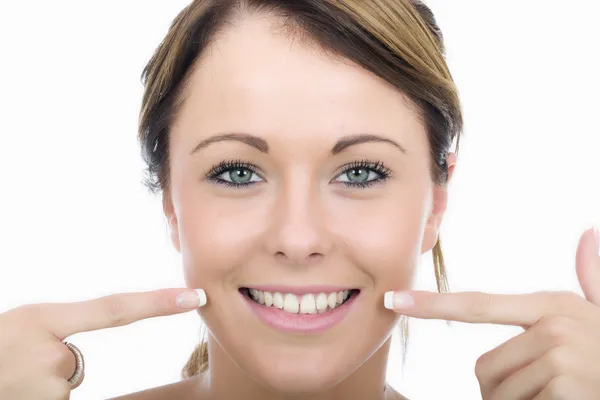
(321, 302)
(332, 300)
(268, 299)
(278, 300)
(295, 304)
(290, 303)
(308, 305)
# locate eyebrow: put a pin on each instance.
(261, 145)
(353, 140)
(251, 140)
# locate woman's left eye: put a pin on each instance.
(362, 175)
(358, 175)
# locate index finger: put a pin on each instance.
(66, 319)
(522, 310)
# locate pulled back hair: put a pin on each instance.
(397, 40)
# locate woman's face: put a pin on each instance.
(297, 201)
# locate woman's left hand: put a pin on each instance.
(558, 354)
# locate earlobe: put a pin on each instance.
(174, 233)
(430, 236)
(440, 202)
(451, 163)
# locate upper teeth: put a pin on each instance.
(306, 304)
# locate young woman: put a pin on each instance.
(302, 150)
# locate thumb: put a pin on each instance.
(587, 264)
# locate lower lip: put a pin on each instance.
(301, 323)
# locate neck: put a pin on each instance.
(367, 382)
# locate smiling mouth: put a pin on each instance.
(310, 303)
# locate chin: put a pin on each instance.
(304, 366)
(299, 377)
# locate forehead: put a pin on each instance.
(252, 74)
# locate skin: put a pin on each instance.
(303, 227)
(298, 225)
(298, 232)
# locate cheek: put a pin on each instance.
(217, 237)
(383, 238)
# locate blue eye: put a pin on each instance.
(239, 174)
(363, 174)
(233, 173)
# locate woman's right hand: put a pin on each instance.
(35, 364)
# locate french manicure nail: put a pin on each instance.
(398, 301)
(202, 296)
(191, 299)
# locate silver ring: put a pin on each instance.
(78, 374)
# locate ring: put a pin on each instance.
(78, 374)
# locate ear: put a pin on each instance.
(169, 211)
(440, 201)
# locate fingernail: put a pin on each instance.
(191, 299)
(398, 301)
(597, 235)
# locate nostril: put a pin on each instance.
(299, 258)
(315, 256)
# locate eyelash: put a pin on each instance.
(226, 166)
(377, 167)
(230, 165)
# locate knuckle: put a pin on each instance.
(481, 367)
(568, 300)
(115, 310)
(558, 330)
(21, 319)
(29, 311)
(556, 360)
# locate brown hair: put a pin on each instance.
(397, 40)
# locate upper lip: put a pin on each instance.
(300, 290)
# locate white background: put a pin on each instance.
(76, 222)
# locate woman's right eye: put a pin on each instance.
(239, 176)
(234, 174)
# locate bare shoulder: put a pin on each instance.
(179, 390)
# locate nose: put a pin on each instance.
(298, 233)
